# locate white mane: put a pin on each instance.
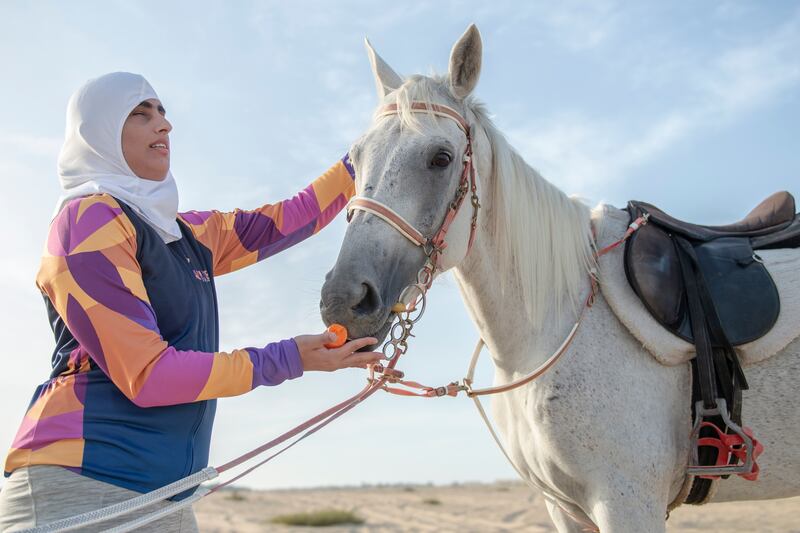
(542, 235)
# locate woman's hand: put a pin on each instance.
(315, 356)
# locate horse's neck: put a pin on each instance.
(515, 347)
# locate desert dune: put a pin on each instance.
(501, 506)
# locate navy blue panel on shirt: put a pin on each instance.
(140, 448)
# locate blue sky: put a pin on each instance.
(693, 106)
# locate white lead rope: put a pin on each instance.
(164, 511)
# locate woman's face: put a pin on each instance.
(145, 140)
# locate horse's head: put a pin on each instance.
(411, 162)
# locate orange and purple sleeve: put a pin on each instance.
(94, 282)
(241, 238)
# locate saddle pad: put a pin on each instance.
(669, 349)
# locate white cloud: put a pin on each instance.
(579, 151)
(16, 143)
(747, 76)
(582, 25)
(574, 25)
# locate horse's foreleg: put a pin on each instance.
(573, 522)
(629, 515)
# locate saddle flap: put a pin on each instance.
(654, 272)
(742, 290)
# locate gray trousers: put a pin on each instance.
(37, 495)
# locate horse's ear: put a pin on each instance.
(386, 79)
(465, 63)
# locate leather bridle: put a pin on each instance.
(435, 245)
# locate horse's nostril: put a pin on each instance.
(369, 301)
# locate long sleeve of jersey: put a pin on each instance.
(242, 238)
(92, 277)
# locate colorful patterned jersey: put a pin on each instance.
(137, 366)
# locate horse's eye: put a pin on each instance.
(441, 160)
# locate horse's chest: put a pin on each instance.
(548, 428)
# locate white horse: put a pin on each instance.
(605, 433)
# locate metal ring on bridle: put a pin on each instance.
(425, 276)
(398, 330)
(386, 354)
(415, 312)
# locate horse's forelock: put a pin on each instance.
(425, 89)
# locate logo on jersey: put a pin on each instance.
(202, 275)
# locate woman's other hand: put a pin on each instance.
(315, 356)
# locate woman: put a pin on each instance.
(128, 283)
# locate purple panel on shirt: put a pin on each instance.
(255, 230)
(275, 363)
(72, 232)
(98, 276)
(75, 359)
(63, 229)
(83, 330)
(349, 166)
(332, 210)
(178, 377)
(297, 211)
(93, 218)
(35, 434)
(290, 240)
(79, 386)
(196, 218)
(58, 238)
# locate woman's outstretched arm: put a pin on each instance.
(242, 238)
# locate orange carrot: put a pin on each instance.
(341, 336)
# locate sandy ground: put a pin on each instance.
(468, 507)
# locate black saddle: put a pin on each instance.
(741, 289)
(707, 285)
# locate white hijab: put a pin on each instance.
(91, 160)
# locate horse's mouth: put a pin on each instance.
(380, 334)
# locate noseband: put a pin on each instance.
(435, 245)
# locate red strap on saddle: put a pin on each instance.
(632, 227)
